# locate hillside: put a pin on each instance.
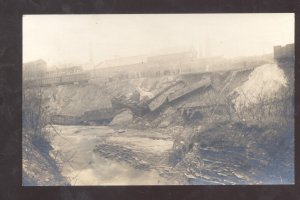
(223, 127)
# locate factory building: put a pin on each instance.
(286, 52)
(34, 69)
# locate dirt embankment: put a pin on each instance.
(229, 91)
(39, 167)
(231, 132)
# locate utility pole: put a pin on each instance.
(91, 61)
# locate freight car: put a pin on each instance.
(101, 116)
(75, 78)
(206, 82)
(137, 108)
(64, 120)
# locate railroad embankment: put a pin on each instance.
(170, 100)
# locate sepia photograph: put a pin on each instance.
(158, 99)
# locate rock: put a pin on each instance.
(135, 96)
(121, 131)
(123, 118)
(164, 124)
(197, 129)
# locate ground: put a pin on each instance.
(221, 154)
(249, 140)
(103, 156)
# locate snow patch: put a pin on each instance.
(262, 84)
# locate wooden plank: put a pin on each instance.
(157, 102)
(189, 89)
(160, 99)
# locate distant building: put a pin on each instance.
(34, 69)
(122, 61)
(284, 52)
(64, 71)
(173, 57)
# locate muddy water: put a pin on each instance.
(84, 167)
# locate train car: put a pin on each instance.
(75, 78)
(64, 120)
(50, 81)
(135, 107)
(189, 89)
(101, 116)
(162, 97)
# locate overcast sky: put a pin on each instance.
(62, 39)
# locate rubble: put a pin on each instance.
(162, 97)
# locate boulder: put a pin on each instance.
(123, 118)
(164, 124)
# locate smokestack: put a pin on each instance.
(91, 54)
(207, 47)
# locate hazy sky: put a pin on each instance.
(62, 39)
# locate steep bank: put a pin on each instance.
(39, 167)
(236, 153)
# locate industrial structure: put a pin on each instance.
(34, 70)
(283, 53)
